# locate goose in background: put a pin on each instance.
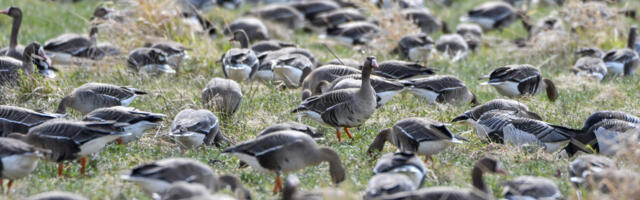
(529, 187)
(270, 45)
(615, 183)
(291, 192)
(17, 160)
(394, 173)
(397, 69)
(230, 4)
(189, 191)
(222, 96)
(454, 46)
(240, 64)
(203, 5)
(138, 121)
(91, 96)
(291, 69)
(57, 195)
(193, 128)
(280, 14)
(354, 33)
(441, 89)
(520, 80)
(489, 127)
(68, 45)
(415, 47)
(590, 65)
(475, 113)
(320, 79)
(253, 27)
(472, 34)
(14, 50)
(526, 132)
(176, 53)
(336, 17)
(15, 119)
(491, 15)
(585, 165)
(33, 54)
(294, 126)
(385, 89)
(310, 9)
(625, 61)
(151, 61)
(425, 20)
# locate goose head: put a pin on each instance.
(371, 62)
(101, 12)
(241, 36)
(35, 54)
(12, 11)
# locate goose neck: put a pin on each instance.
(15, 28)
(477, 179)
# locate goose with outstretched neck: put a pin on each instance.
(13, 50)
(33, 54)
(344, 108)
(240, 64)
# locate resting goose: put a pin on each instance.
(605, 136)
(397, 69)
(14, 50)
(310, 9)
(422, 136)
(336, 17)
(441, 89)
(193, 128)
(472, 34)
(607, 114)
(286, 151)
(590, 67)
(33, 55)
(479, 191)
(158, 176)
(522, 131)
(496, 104)
(385, 89)
(71, 140)
(529, 187)
(17, 160)
(138, 121)
(150, 61)
(402, 162)
(425, 20)
(223, 96)
(19, 120)
(491, 15)
(280, 14)
(585, 165)
(66, 45)
(520, 80)
(320, 79)
(343, 108)
(291, 69)
(490, 125)
(58, 195)
(293, 126)
(452, 45)
(415, 47)
(269, 45)
(240, 64)
(623, 61)
(355, 33)
(384, 184)
(91, 96)
(176, 53)
(253, 27)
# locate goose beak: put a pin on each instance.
(5, 11)
(42, 54)
(374, 64)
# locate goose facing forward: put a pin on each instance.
(521, 80)
(240, 64)
(17, 159)
(138, 121)
(343, 108)
(91, 96)
(20, 120)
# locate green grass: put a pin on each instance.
(267, 105)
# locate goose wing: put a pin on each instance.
(266, 144)
(438, 84)
(21, 119)
(492, 10)
(68, 43)
(321, 103)
(544, 132)
(620, 55)
(420, 130)
(603, 115)
(122, 114)
(201, 121)
(401, 70)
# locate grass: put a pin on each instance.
(264, 104)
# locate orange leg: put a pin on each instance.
(60, 168)
(9, 185)
(278, 187)
(119, 140)
(339, 135)
(348, 133)
(83, 164)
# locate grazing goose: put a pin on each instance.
(607, 114)
(57, 195)
(605, 136)
(293, 126)
(402, 162)
(280, 14)
(253, 27)
(529, 187)
(472, 34)
(240, 64)
(269, 45)
(490, 125)
(385, 89)
(176, 53)
(17, 159)
(192, 128)
(590, 67)
(14, 50)
(287, 151)
(343, 108)
(415, 47)
(523, 131)
(422, 136)
(480, 189)
(425, 20)
(150, 61)
(33, 54)
(520, 80)
(91, 96)
(19, 120)
(585, 165)
(320, 79)
(138, 121)
(71, 140)
(355, 33)
(336, 17)
(453, 45)
(310, 9)
(441, 89)
(291, 69)
(157, 177)
(492, 15)
(623, 61)
(397, 69)
(222, 96)
(385, 184)
(496, 104)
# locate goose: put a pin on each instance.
(472, 34)
(91, 96)
(280, 14)
(269, 45)
(71, 140)
(17, 159)
(223, 96)
(102, 13)
(475, 113)
(605, 136)
(385, 89)
(415, 47)
(441, 89)
(15, 119)
(293, 126)
(286, 151)
(290, 192)
(291, 69)
(385, 184)
(193, 128)
(336, 17)
(385, 4)
(397, 69)
(346, 62)
(529, 187)
(623, 61)
(253, 27)
(491, 15)
(590, 67)
(71, 44)
(617, 183)
(187, 191)
(523, 131)
(56, 195)
(585, 165)
(343, 108)
(425, 20)
(322, 77)
(354, 33)
(203, 5)
(453, 45)
(310, 9)
(491, 124)
(176, 53)
(419, 135)
(158, 176)
(479, 191)
(402, 162)
(520, 80)
(138, 121)
(33, 54)
(240, 64)
(198, 23)
(149, 60)
(590, 52)
(609, 114)
(14, 50)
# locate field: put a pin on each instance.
(265, 104)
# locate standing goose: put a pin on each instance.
(71, 140)
(293, 126)
(523, 131)
(240, 64)
(415, 47)
(441, 89)
(425, 20)
(17, 160)
(192, 128)
(176, 53)
(492, 15)
(520, 80)
(138, 121)
(150, 61)
(253, 27)
(385, 89)
(337, 17)
(472, 34)
(529, 187)
(281, 14)
(222, 96)
(422, 136)
(605, 136)
(343, 108)
(607, 114)
(354, 33)
(14, 50)
(33, 55)
(91, 96)
(453, 45)
(397, 69)
(623, 61)
(497, 104)
(287, 151)
(585, 165)
(20, 120)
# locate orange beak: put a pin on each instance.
(5, 11)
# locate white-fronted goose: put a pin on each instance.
(346, 62)
(176, 53)
(472, 34)
(453, 45)
(520, 80)
(240, 64)
(524, 131)
(397, 69)
(294, 126)
(270, 45)
(315, 7)
(71, 140)
(253, 27)
(280, 14)
(441, 89)
(157, 177)
(385, 184)
(343, 108)
(492, 15)
(91, 96)
(291, 69)
(322, 77)
(199, 4)
(605, 136)
(402, 162)
(623, 61)
(490, 125)
(496, 104)
(192, 128)
(223, 96)
(183, 190)
(149, 60)
(355, 33)
(337, 17)
(58, 195)
(529, 187)
(287, 151)
(480, 190)
(138, 121)
(415, 47)
(14, 50)
(20, 120)
(33, 54)
(590, 67)
(419, 135)
(425, 20)
(17, 159)
(585, 165)
(385, 89)
(71, 44)
(607, 114)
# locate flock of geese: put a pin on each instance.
(342, 93)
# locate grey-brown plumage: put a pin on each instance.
(20, 120)
(622, 182)
(222, 95)
(453, 45)
(529, 187)
(254, 28)
(397, 69)
(72, 43)
(415, 47)
(524, 131)
(294, 126)
(492, 15)
(291, 69)
(590, 67)
(176, 52)
(623, 61)
(496, 104)
(183, 190)
(520, 80)
(57, 195)
(91, 96)
(240, 64)
(425, 20)
(17, 159)
(13, 50)
(322, 77)
(192, 128)
(337, 17)
(385, 184)
(441, 89)
(33, 54)
(585, 165)
(281, 14)
(312, 8)
(385, 89)
(345, 62)
(149, 60)
(355, 33)
(138, 121)
(395, 172)
(269, 45)
(472, 34)
(607, 114)
(607, 136)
